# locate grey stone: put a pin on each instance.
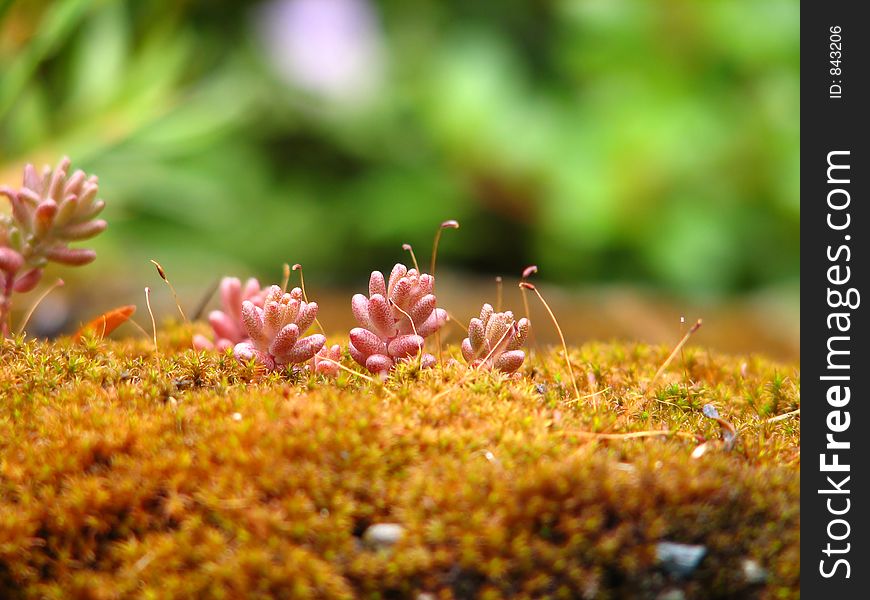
(679, 559)
(753, 573)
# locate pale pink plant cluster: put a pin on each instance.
(274, 330)
(494, 341)
(50, 210)
(395, 319)
(265, 325)
(227, 324)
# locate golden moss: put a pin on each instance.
(130, 473)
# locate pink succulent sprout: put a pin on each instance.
(326, 360)
(274, 330)
(395, 320)
(494, 340)
(49, 211)
(227, 323)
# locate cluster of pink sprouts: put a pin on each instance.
(227, 323)
(395, 319)
(274, 331)
(494, 340)
(265, 325)
(49, 211)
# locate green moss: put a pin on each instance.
(128, 473)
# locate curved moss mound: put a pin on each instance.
(125, 473)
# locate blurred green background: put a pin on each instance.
(610, 142)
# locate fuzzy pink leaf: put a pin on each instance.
(200, 342)
(224, 326)
(74, 183)
(252, 289)
(66, 210)
(83, 231)
(88, 205)
(476, 334)
(92, 210)
(252, 317)
(381, 316)
(231, 297)
(435, 321)
(427, 361)
(498, 324)
(366, 342)
(283, 342)
(405, 345)
(29, 198)
(376, 284)
(510, 361)
(399, 271)
(360, 306)
(323, 360)
(31, 177)
(27, 281)
(55, 186)
(358, 356)
(467, 350)
(10, 260)
(523, 326)
(20, 211)
(379, 364)
(307, 314)
(426, 284)
(401, 293)
(245, 351)
(43, 217)
(422, 309)
(485, 313)
(70, 256)
(303, 351)
(272, 316)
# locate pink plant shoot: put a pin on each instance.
(326, 360)
(274, 330)
(494, 341)
(227, 323)
(49, 211)
(395, 319)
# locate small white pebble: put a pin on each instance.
(753, 572)
(383, 535)
(700, 450)
(237, 416)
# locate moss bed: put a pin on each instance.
(126, 472)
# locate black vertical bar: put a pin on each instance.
(834, 232)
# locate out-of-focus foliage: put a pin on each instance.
(605, 139)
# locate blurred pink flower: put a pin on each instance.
(330, 48)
